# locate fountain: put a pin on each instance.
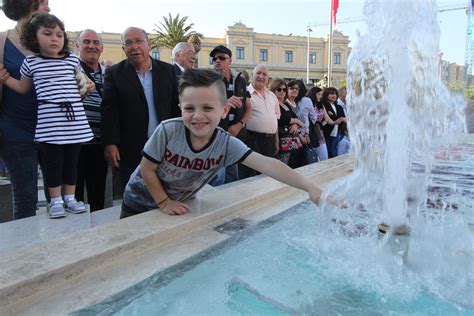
(399, 108)
(402, 123)
(305, 260)
(401, 117)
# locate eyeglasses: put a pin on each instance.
(280, 89)
(294, 88)
(129, 44)
(220, 57)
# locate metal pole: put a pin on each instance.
(307, 56)
(330, 50)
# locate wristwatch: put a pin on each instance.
(243, 124)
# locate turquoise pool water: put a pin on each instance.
(302, 262)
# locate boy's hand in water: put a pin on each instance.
(315, 196)
(337, 201)
(172, 207)
(315, 193)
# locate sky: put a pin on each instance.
(211, 17)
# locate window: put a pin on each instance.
(210, 61)
(312, 58)
(289, 56)
(155, 54)
(337, 58)
(240, 53)
(264, 54)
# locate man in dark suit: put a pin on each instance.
(138, 94)
(184, 57)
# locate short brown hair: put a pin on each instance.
(203, 78)
(29, 30)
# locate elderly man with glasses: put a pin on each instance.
(139, 93)
(238, 102)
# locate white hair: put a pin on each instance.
(178, 49)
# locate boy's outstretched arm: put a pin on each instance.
(281, 172)
(161, 198)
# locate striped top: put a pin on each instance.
(92, 102)
(61, 116)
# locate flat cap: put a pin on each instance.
(220, 49)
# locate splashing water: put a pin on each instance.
(400, 116)
(399, 109)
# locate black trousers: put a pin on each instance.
(91, 175)
(261, 143)
(59, 163)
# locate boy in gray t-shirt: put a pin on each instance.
(184, 154)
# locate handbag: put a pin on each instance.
(315, 135)
(290, 143)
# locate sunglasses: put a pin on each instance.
(280, 89)
(220, 57)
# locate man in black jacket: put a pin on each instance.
(139, 93)
(238, 102)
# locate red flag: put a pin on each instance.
(335, 6)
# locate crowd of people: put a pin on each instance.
(139, 117)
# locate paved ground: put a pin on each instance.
(5, 196)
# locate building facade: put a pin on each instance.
(286, 56)
(456, 73)
(443, 71)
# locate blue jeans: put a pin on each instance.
(219, 178)
(231, 173)
(322, 151)
(225, 175)
(332, 149)
(22, 163)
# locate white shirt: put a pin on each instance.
(341, 103)
(265, 111)
(336, 127)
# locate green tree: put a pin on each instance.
(172, 31)
(470, 93)
(458, 87)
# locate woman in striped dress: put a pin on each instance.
(62, 124)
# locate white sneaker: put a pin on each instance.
(56, 209)
(75, 207)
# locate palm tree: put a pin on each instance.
(172, 31)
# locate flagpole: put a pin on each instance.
(330, 46)
(307, 56)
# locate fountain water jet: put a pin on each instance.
(399, 109)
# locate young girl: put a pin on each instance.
(62, 124)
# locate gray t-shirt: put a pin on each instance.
(182, 170)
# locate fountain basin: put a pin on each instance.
(77, 270)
